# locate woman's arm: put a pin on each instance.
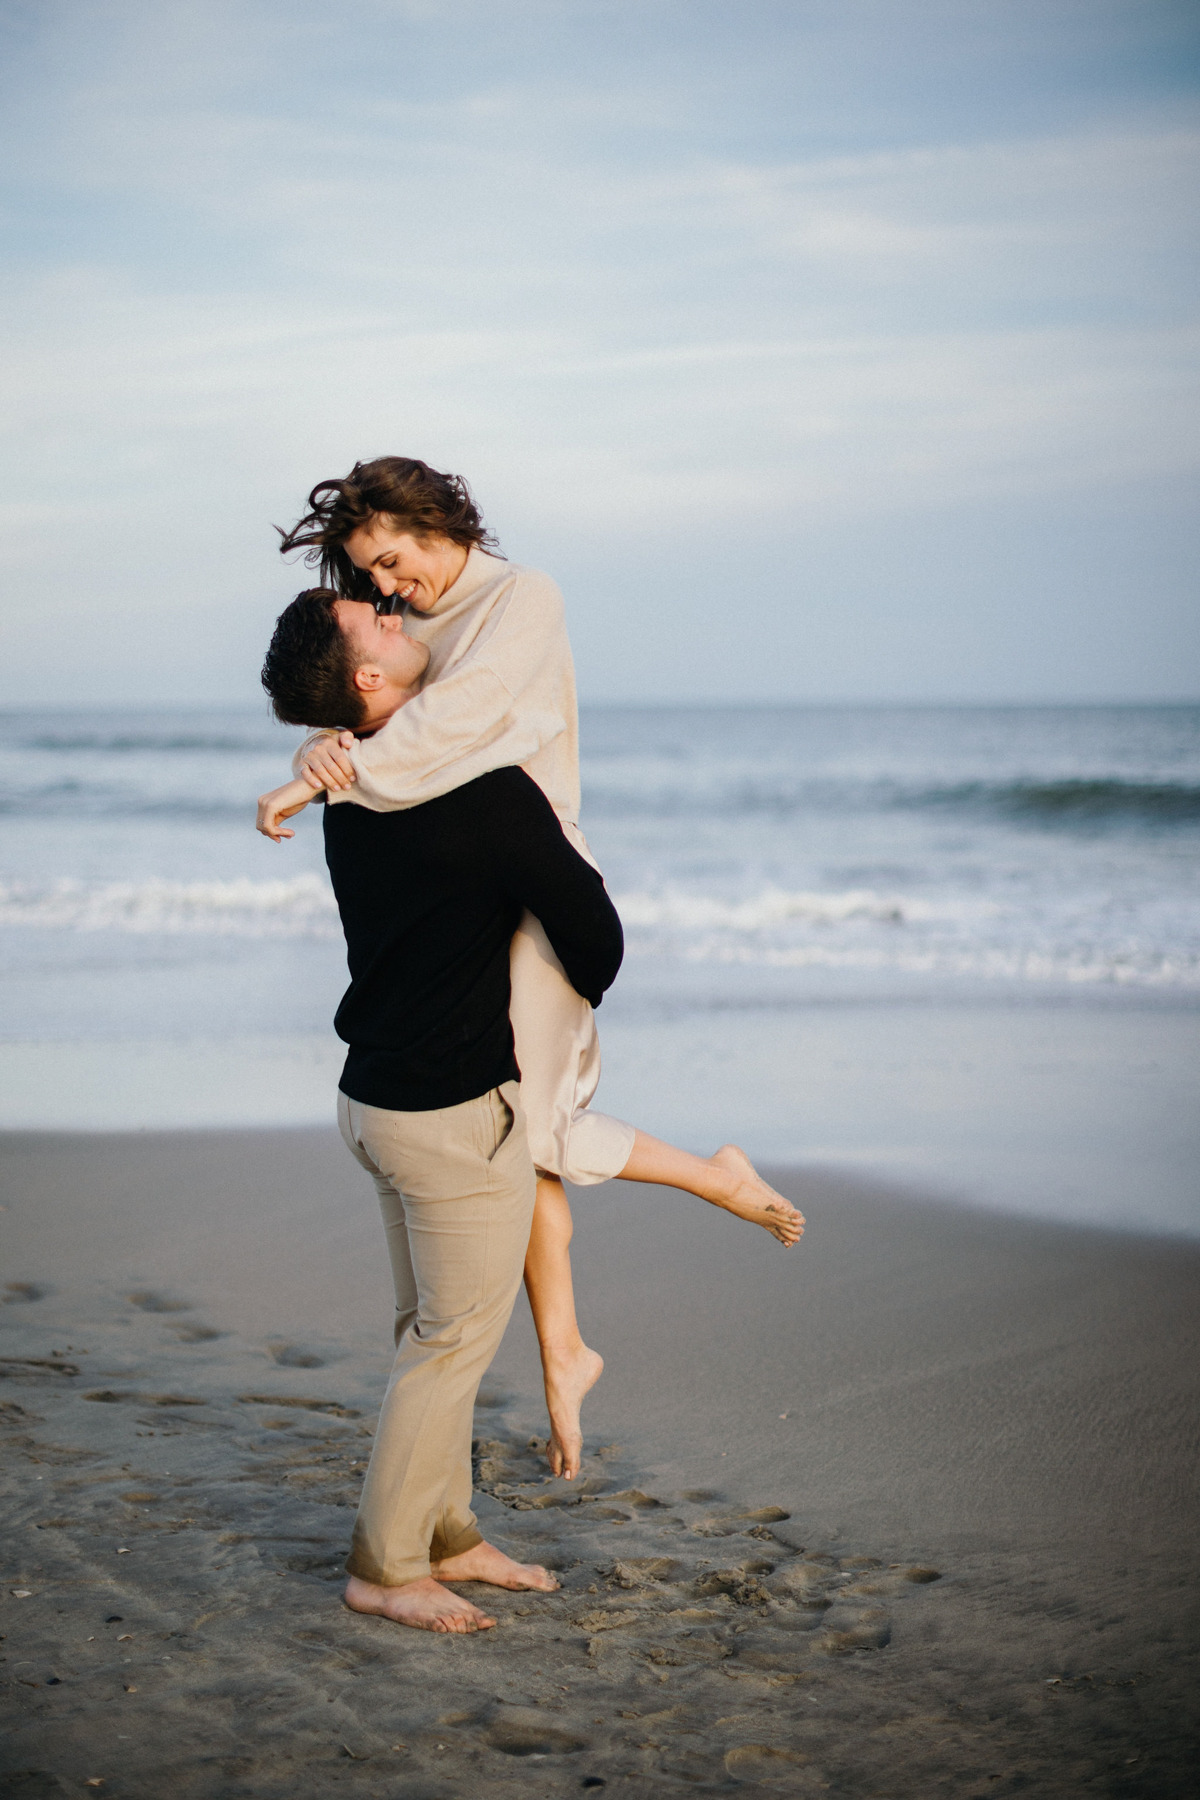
(323, 762)
(283, 803)
(497, 706)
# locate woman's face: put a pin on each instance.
(416, 570)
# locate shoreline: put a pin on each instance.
(1066, 1112)
(1009, 1402)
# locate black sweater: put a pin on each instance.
(430, 898)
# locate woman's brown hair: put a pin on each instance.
(411, 495)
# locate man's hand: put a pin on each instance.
(326, 764)
(283, 803)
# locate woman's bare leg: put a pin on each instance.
(569, 1368)
(728, 1179)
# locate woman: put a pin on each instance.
(500, 690)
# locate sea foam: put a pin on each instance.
(302, 906)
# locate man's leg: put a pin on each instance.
(456, 1187)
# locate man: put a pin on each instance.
(428, 1103)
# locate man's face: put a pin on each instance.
(389, 661)
(417, 570)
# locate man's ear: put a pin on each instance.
(367, 678)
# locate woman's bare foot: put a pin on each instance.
(485, 1563)
(423, 1603)
(752, 1199)
(568, 1377)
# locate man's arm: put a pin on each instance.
(542, 871)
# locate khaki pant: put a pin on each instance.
(456, 1188)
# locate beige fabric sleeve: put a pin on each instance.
(470, 728)
(490, 710)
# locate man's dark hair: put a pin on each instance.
(309, 666)
(409, 494)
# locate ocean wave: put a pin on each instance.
(1121, 967)
(854, 929)
(1073, 802)
(1079, 800)
(303, 906)
(948, 935)
(98, 800)
(674, 910)
(1069, 805)
(154, 743)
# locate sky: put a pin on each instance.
(821, 350)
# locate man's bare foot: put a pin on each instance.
(752, 1199)
(568, 1377)
(486, 1563)
(423, 1603)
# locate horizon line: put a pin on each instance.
(672, 704)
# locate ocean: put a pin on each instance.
(958, 946)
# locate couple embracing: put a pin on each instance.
(480, 938)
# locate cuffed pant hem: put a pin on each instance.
(466, 1540)
(441, 1550)
(366, 1570)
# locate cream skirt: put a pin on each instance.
(558, 1053)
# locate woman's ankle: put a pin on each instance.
(562, 1351)
(722, 1183)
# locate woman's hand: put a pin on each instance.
(282, 803)
(326, 764)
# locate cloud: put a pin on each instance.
(249, 247)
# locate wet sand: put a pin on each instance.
(962, 1563)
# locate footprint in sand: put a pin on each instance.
(753, 1522)
(871, 1633)
(488, 1399)
(806, 1583)
(195, 1334)
(293, 1356)
(504, 1464)
(868, 1576)
(145, 1301)
(523, 1731)
(12, 1414)
(35, 1368)
(333, 1407)
(23, 1290)
(329, 1565)
(763, 1763)
(114, 1397)
(645, 1571)
(911, 1572)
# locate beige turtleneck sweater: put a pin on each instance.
(499, 691)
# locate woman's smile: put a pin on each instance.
(414, 570)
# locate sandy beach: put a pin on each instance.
(909, 1510)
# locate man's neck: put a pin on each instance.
(389, 707)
